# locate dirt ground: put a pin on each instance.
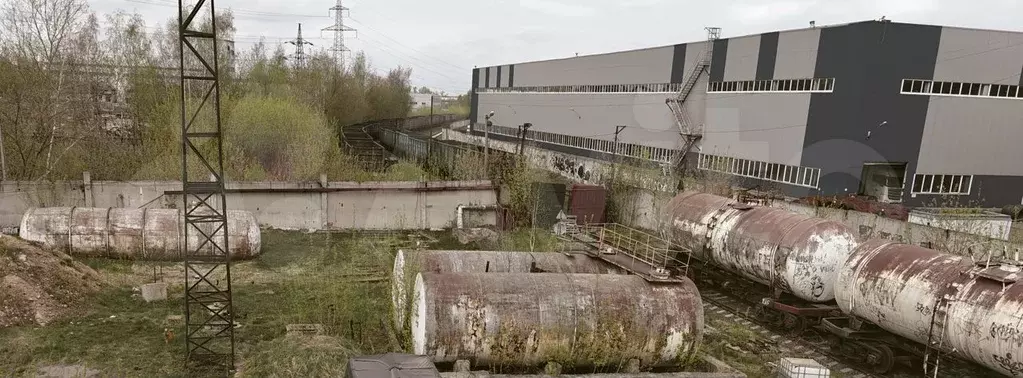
(37, 286)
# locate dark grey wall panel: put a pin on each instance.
(868, 61)
(511, 75)
(474, 99)
(717, 63)
(678, 64)
(486, 83)
(768, 56)
(498, 77)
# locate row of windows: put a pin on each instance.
(942, 184)
(788, 174)
(931, 87)
(626, 149)
(781, 85)
(595, 88)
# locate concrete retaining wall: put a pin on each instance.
(289, 205)
(650, 193)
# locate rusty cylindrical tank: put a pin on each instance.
(143, 234)
(896, 286)
(408, 263)
(792, 252)
(578, 320)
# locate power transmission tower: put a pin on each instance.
(299, 43)
(209, 319)
(339, 30)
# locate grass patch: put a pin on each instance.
(338, 280)
(528, 239)
(740, 347)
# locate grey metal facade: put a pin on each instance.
(867, 117)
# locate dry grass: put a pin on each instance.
(299, 278)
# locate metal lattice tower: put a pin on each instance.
(339, 30)
(209, 321)
(299, 43)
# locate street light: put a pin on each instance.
(486, 141)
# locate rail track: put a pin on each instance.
(739, 310)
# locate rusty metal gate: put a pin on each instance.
(588, 203)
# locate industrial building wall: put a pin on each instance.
(975, 135)
(754, 122)
(866, 119)
(645, 66)
(593, 115)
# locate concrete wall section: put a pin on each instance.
(979, 136)
(766, 127)
(797, 54)
(678, 64)
(651, 65)
(473, 97)
(836, 134)
(741, 62)
(767, 56)
(306, 205)
(648, 119)
(717, 64)
(978, 56)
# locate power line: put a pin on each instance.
(410, 60)
(409, 47)
(339, 30)
(172, 3)
(299, 44)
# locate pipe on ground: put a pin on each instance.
(408, 263)
(140, 234)
(577, 320)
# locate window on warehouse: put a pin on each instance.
(942, 184)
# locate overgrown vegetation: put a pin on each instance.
(82, 93)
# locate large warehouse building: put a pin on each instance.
(908, 113)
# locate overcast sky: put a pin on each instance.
(442, 40)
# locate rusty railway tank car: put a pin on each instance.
(934, 303)
(795, 255)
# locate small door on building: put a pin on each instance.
(883, 181)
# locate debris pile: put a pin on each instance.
(38, 285)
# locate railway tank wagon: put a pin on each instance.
(793, 254)
(941, 303)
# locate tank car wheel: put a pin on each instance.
(835, 342)
(880, 358)
(760, 313)
(794, 324)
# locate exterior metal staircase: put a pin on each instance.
(690, 132)
(677, 104)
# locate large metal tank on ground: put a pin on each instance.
(787, 251)
(578, 320)
(408, 263)
(896, 287)
(142, 234)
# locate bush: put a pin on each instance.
(288, 140)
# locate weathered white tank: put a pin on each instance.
(142, 234)
(896, 286)
(408, 263)
(579, 320)
(794, 253)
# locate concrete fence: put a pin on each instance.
(640, 207)
(321, 205)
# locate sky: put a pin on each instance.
(442, 40)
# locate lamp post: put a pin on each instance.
(486, 142)
(522, 137)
